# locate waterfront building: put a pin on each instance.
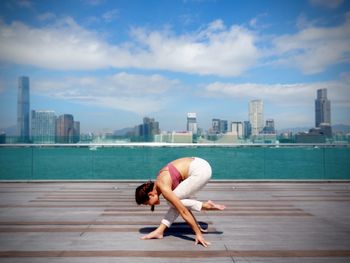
(181, 137)
(237, 129)
(65, 129)
(223, 126)
(174, 137)
(219, 126)
(247, 129)
(322, 108)
(256, 116)
(43, 126)
(215, 126)
(76, 131)
(147, 130)
(192, 123)
(315, 135)
(323, 112)
(23, 105)
(2, 137)
(269, 127)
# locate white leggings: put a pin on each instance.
(199, 174)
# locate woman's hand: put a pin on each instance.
(201, 240)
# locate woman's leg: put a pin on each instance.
(199, 175)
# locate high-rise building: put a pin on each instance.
(219, 126)
(247, 129)
(76, 132)
(269, 127)
(23, 105)
(147, 130)
(43, 126)
(215, 126)
(237, 129)
(65, 129)
(323, 113)
(256, 116)
(192, 122)
(223, 126)
(322, 108)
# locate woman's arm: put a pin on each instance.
(186, 215)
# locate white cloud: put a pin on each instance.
(65, 45)
(314, 49)
(285, 95)
(129, 92)
(214, 50)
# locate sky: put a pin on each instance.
(111, 63)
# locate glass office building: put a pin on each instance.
(23, 105)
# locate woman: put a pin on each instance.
(177, 182)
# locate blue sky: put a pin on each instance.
(110, 63)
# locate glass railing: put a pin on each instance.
(144, 160)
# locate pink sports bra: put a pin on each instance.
(175, 175)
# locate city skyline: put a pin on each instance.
(111, 63)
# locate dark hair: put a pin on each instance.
(141, 193)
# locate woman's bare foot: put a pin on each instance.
(210, 205)
(153, 235)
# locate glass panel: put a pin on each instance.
(143, 162)
(337, 163)
(293, 163)
(16, 163)
(60, 163)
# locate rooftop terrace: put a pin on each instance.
(100, 222)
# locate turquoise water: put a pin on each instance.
(108, 163)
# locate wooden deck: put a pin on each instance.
(100, 222)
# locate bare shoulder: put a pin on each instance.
(163, 180)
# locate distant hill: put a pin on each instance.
(10, 131)
(341, 128)
(123, 132)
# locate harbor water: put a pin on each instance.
(130, 162)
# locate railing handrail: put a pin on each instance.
(156, 144)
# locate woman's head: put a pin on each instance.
(146, 195)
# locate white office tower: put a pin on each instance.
(237, 129)
(256, 116)
(43, 126)
(192, 122)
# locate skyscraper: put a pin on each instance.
(43, 126)
(237, 129)
(76, 133)
(65, 129)
(323, 113)
(269, 127)
(192, 122)
(247, 129)
(147, 130)
(23, 110)
(322, 108)
(256, 116)
(219, 126)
